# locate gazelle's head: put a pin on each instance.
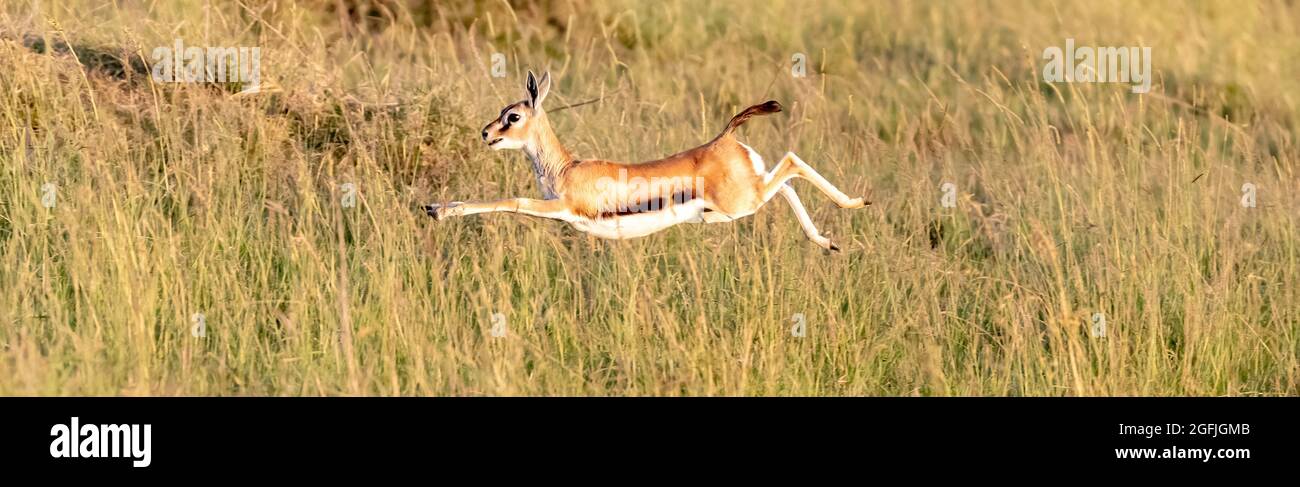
(515, 126)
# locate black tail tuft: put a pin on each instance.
(765, 108)
(771, 106)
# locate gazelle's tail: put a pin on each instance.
(765, 108)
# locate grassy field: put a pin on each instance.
(1074, 202)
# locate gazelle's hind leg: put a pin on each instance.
(791, 166)
(773, 182)
(806, 222)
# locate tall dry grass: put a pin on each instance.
(1073, 200)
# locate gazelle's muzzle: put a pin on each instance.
(487, 134)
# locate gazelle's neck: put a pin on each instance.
(548, 155)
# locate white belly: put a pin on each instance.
(641, 224)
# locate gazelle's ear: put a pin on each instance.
(543, 88)
(531, 86)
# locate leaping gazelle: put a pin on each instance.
(719, 181)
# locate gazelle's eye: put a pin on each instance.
(512, 118)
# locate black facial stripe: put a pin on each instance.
(504, 117)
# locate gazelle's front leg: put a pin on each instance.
(554, 209)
